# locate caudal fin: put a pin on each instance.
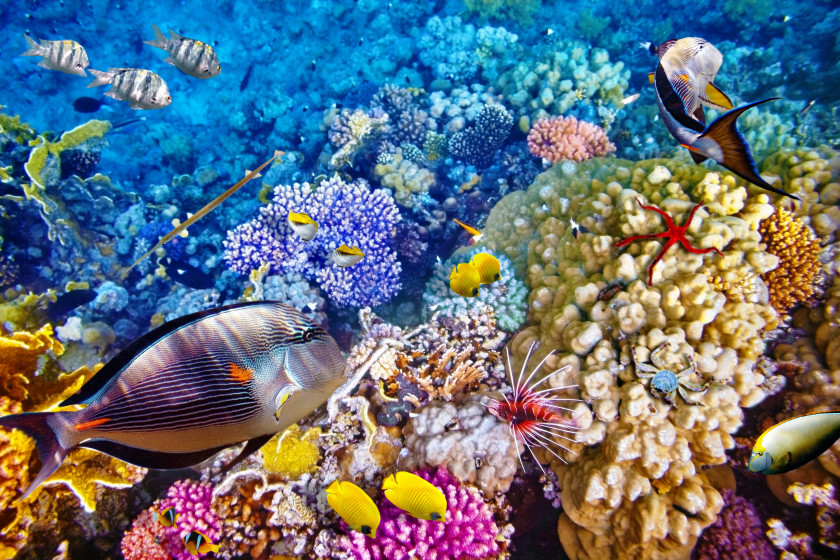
(36, 426)
(734, 153)
(34, 47)
(102, 78)
(160, 39)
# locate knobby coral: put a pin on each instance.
(558, 138)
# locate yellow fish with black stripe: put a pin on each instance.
(464, 280)
(355, 507)
(790, 444)
(198, 543)
(488, 267)
(190, 56)
(415, 496)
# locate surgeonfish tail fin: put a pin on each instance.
(734, 152)
(34, 47)
(35, 425)
(102, 78)
(159, 40)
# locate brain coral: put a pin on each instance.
(635, 487)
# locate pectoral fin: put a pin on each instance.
(716, 99)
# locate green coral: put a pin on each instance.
(590, 25)
(521, 11)
(72, 138)
(20, 132)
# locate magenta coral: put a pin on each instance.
(559, 138)
(737, 534)
(149, 540)
(468, 533)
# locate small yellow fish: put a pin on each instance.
(355, 507)
(488, 267)
(303, 225)
(166, 517)
(347, 256)
(415, 496)
(198, 543)
(790, 444)
(471, 230)
(208, 208)
(464, 280)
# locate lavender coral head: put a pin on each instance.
(347, 213)
(469, 531)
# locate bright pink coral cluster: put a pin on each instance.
(468, 532)
(149, 540)
(559, 138)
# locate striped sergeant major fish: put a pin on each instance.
(721, 140)
(65, 56)
(190, 56)
(143, 89)
(192, 387)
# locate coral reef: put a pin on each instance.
(558, 138)
(292, 453)
(478, 144)
(736, 535)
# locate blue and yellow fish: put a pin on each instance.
(790, 444)
(415, 496)
(303, 225)
(193, 387)
(488, 267)
(464, 280)
(355, 507)
(167, 517)
(198, 543)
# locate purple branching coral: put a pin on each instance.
(347, 213)
(738, 533)
(468, 532)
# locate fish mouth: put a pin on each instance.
(759, 463)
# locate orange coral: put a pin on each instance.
(798, 251)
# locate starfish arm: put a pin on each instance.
(691, 215)
(658, 257)
(635, 238)
(687, 246)
(668, 221)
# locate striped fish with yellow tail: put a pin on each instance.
(303, 225)
(192, 387)
(790, 444)
(416, 496)
(488, 267)
(464, 280)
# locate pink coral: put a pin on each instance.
(468, 532)
(559, 138)
(149, 540)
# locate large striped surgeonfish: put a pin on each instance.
(195, 386)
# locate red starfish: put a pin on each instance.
(673, 235)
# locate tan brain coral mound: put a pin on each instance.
(634, 488)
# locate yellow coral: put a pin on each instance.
(70, 139)
(19, 354)
(292, 453)
(798, 252)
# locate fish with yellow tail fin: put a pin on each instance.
(476, 235)
(192, 387)
(790, 444)
(346, 256)
(208, 208)
(488, 267)
(464, 280)
(719, 141)
(415, 496)
(167, 517)
(355, 507)
(303, 225)
(197, 543)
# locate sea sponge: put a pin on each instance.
(798, 251)
(292, 453)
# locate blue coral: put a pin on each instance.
(478, 144)
(347, 213)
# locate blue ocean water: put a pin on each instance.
(408, 132)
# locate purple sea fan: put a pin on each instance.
(469, 531)
(738, 533)
(346, 213)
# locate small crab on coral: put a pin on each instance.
(664, 383)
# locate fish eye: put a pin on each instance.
(309, 334)
(475, 291)
(168, 98)
(365, 530)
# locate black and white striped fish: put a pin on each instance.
(193, 387)
(143, 89)
(190, 56)
(65, 56)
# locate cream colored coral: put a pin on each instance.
(464, 437)
(639, 455)
(404, 177)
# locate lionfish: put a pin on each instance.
(533, 415)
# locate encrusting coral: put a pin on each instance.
(292, 452)
(632, 485)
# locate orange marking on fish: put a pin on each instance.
(91, 424)
(240, 374)
(684, 77)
